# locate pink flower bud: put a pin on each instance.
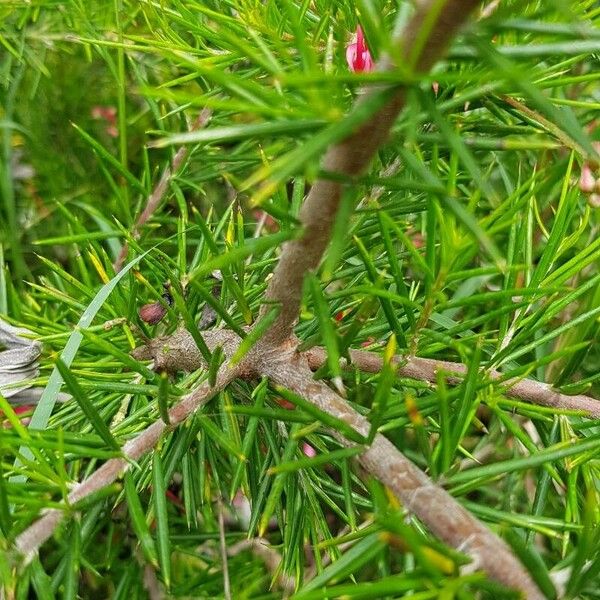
(587, 182)
(358, 56)
(308, 450)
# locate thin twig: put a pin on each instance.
(223, 546)
(426, 369)
(442, 514)
(179, 352)
(421, 44)
(161, 188)
(28, 542)
(149, 578)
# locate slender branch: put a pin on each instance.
(161, 188)
(421, 44)
(29, 541)
(151, 582)
(442, 514)
(426, 369)
(179, 352)
(224, 555)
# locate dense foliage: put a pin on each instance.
(471, 241)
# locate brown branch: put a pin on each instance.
(421, 44)
(28, 542)
(161, 188)
(426, 369)
(179, 352)
(442, 514)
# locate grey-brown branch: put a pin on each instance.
(179, 352)
(427, 369)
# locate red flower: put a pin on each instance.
(358, 55)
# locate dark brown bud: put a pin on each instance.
(152, 313)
